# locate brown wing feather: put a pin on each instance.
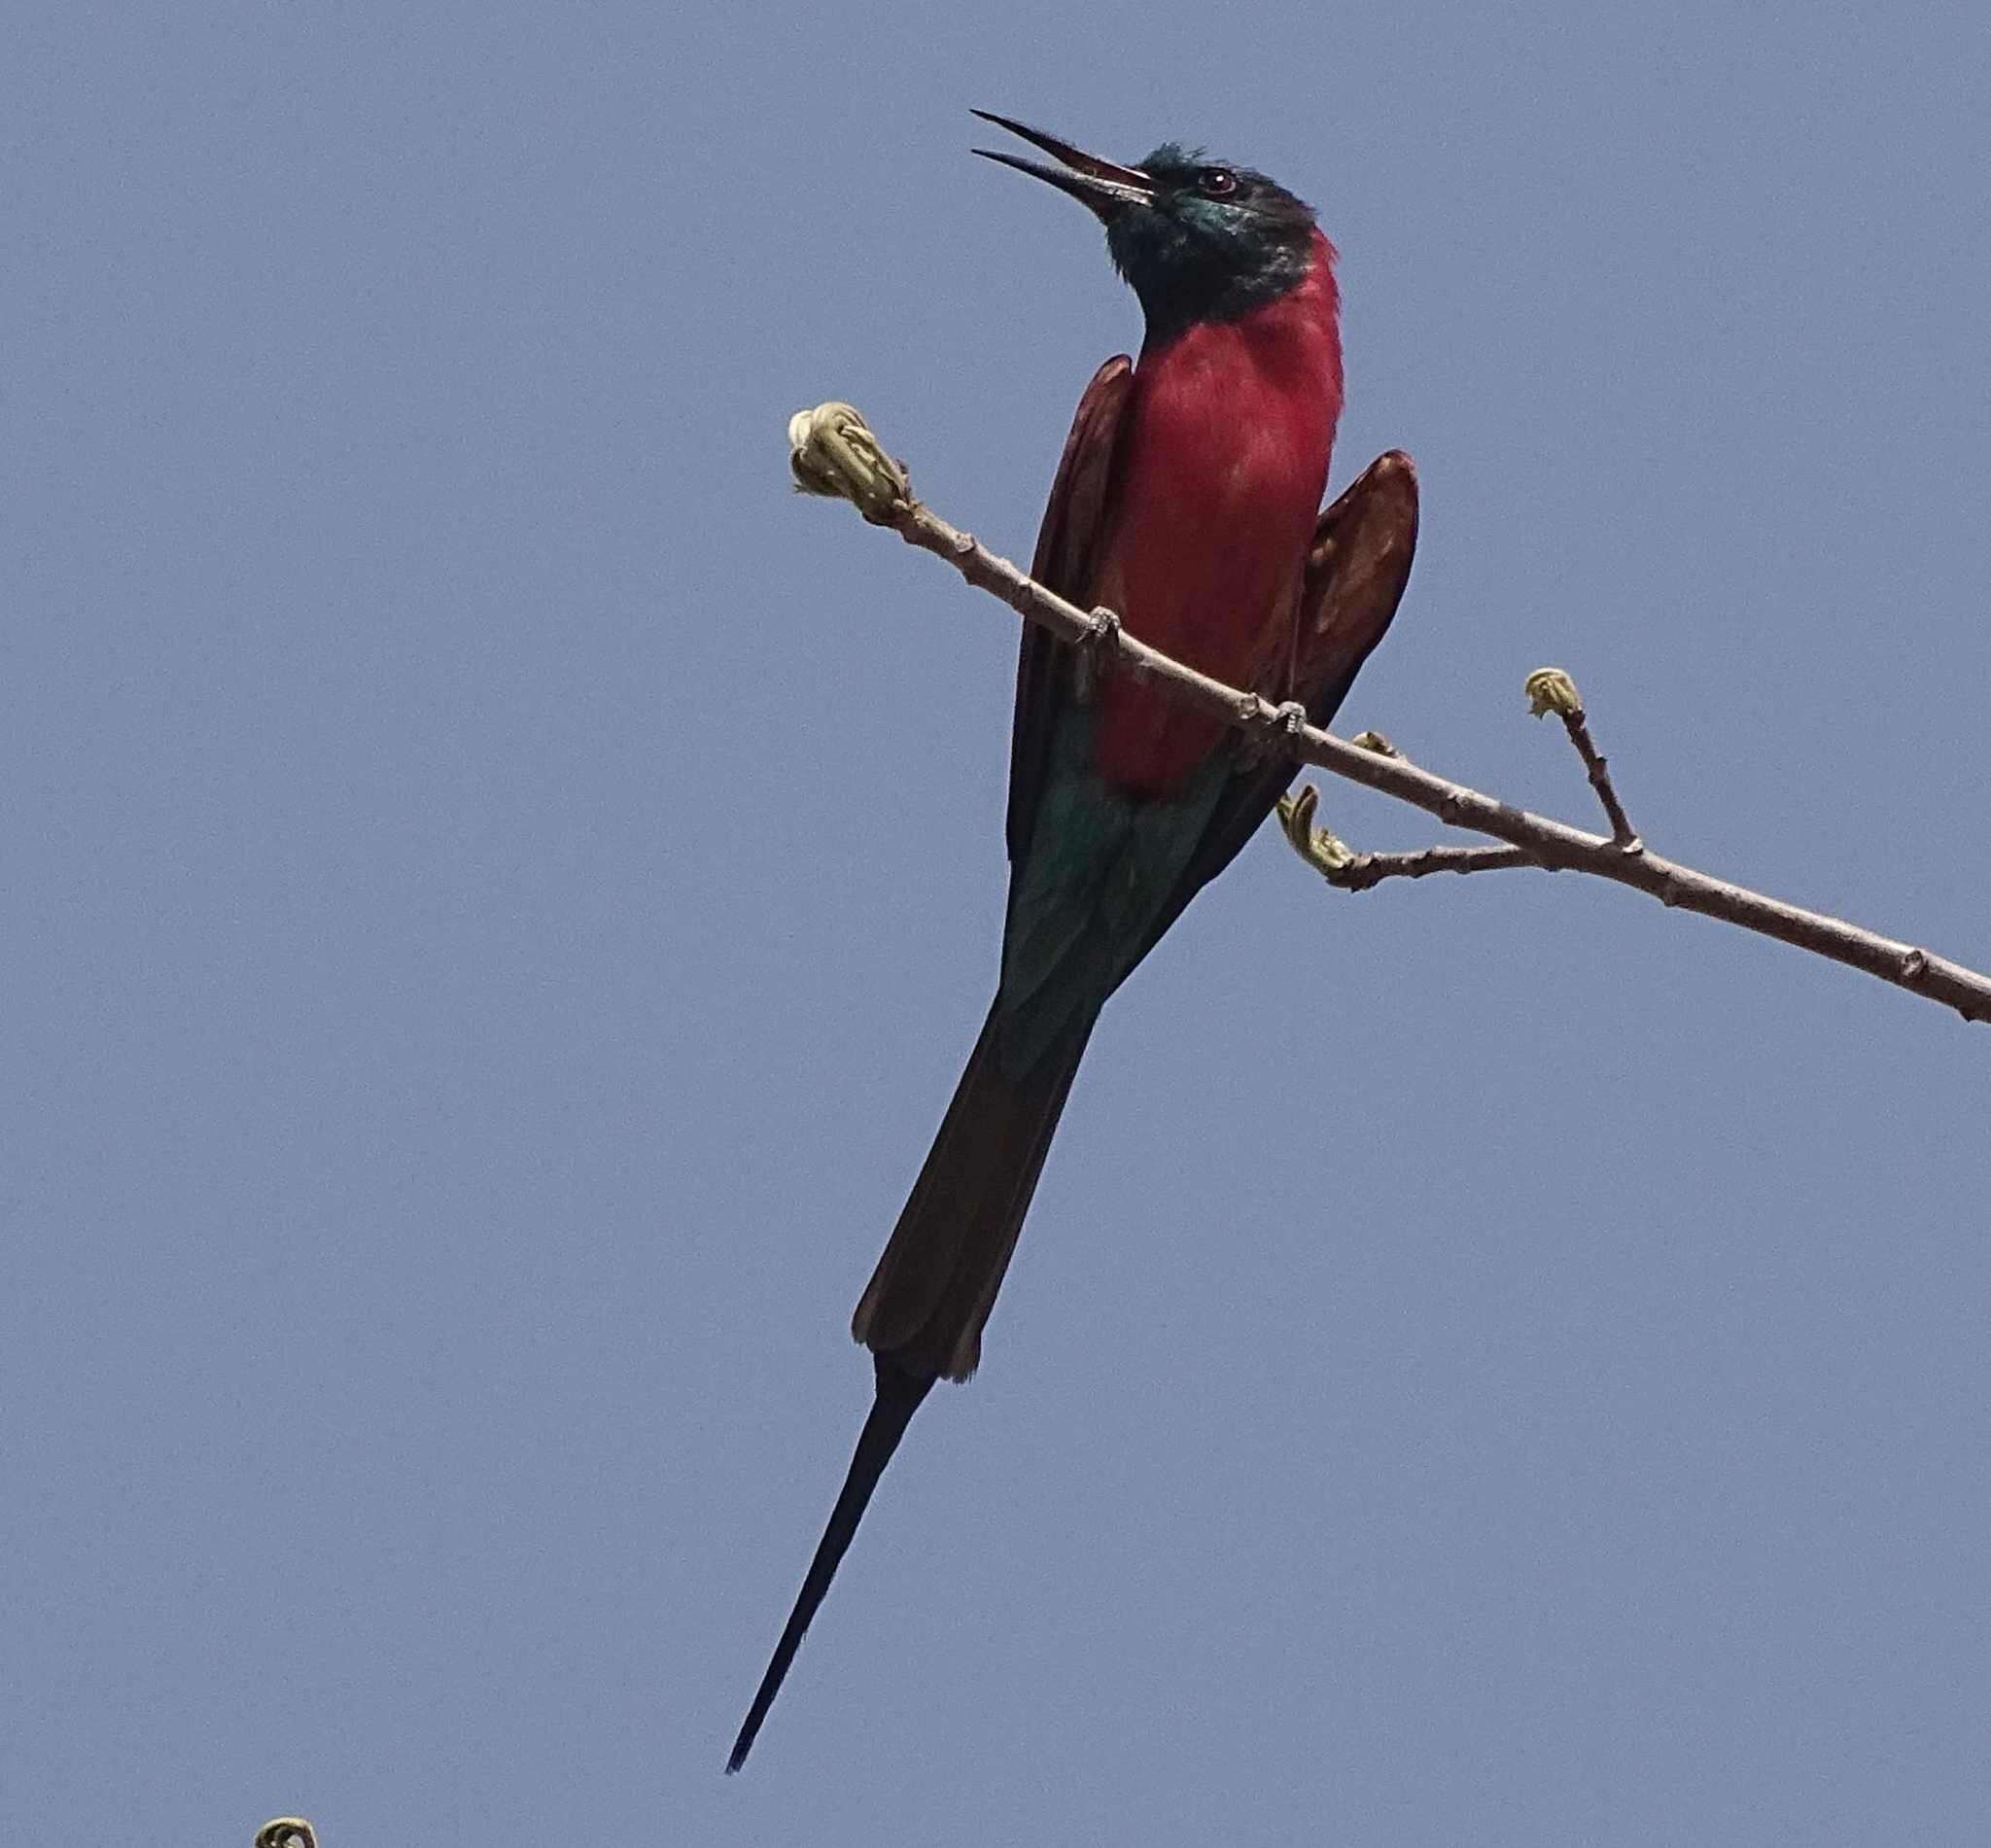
(1356, 572)
(1067, 552)
(933, 1287)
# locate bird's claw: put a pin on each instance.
(1096, 650)
(1276, 736)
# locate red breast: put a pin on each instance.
(1230, 428)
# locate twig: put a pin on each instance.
(880, 489)
(1366, 871)
(1551, 690)
(1348, 871)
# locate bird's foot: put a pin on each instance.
(1096, 651)
(1276, 741)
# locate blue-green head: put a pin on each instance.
(1197, 239)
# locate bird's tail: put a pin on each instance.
(934, 1286)
(922, 1314)
(898, 1397)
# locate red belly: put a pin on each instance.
(1230, 615)
(1226, 460)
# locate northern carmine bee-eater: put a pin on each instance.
(1187, 501)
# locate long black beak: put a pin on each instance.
(1103, 188)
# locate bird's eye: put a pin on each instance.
(1218, 183)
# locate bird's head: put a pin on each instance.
(1197, 239)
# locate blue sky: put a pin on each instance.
(499, 891)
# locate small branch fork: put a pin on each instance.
(1548, 690)
(834, 453)
(1350, 871)
(1551, 690)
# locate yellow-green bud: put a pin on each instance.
(832, 451)
(287, 1832)
(1551, 690)
(1316, 846)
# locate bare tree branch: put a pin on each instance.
(1350, 871)
(834, 453)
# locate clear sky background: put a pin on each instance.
(498, 892)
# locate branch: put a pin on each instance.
(834, 453)
(1551, 690)
(1348, 871)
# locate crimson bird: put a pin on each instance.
(1187, 501)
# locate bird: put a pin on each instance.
(1186, 503)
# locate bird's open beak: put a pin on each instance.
(1103, 188)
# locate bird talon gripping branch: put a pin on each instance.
(1275, 737)
(1098, 650)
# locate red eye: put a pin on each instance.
(1219, 182)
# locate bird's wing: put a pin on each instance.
(1067, 552)
(1356, 571)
